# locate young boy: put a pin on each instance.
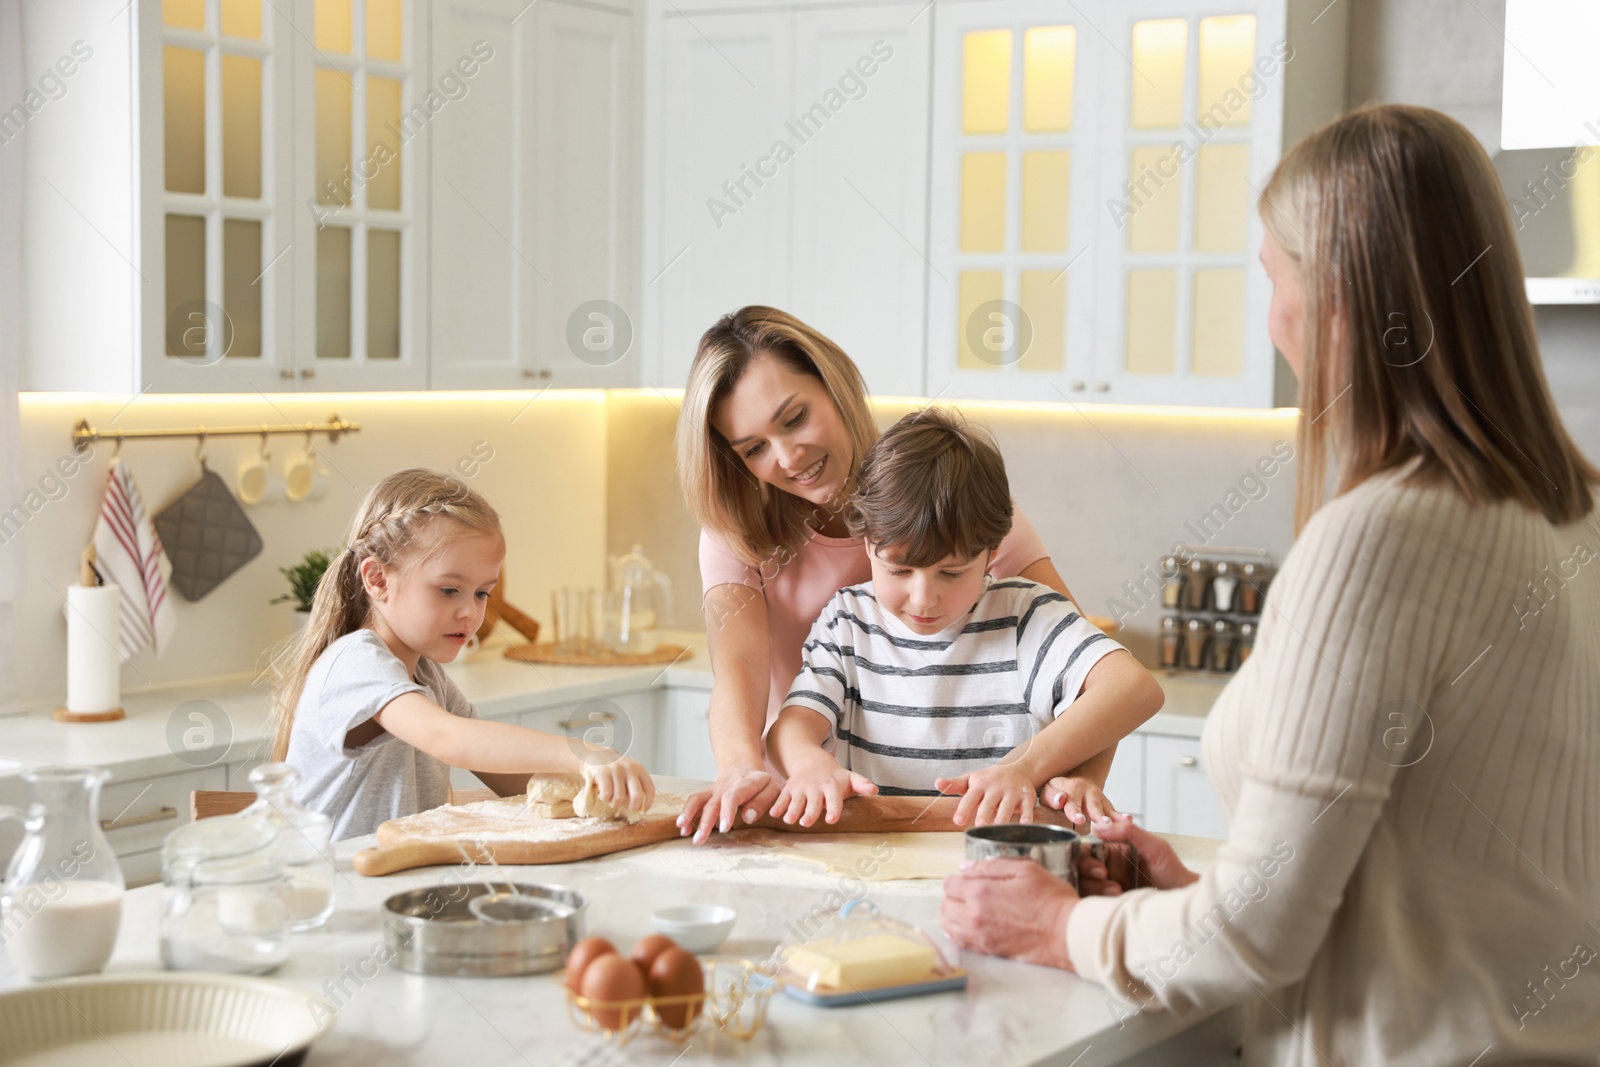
(936, 678)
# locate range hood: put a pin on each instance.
(1549, 165)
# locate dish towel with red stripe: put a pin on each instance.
(128, 553)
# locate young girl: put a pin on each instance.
(362, 708)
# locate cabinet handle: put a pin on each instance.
(286, 374)
(1188, 761)
(309, 372)
(1076, 386)
(542, 372)
(159, 815)
(598, 716)
(1102, 387)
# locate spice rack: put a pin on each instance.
(1211, 600)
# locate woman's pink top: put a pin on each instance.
(797, 591)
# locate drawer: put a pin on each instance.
(1125, 782)
(141, 868)
(1179, 798)
(138, 815)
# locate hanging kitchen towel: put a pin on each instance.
(207, 535)
(128, 553)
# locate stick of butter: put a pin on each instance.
(875, 960)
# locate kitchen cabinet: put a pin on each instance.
(534, 198)
(786, 165)
(1094, 174)
(626, 722)
(685, 748)
(139, 813)
(1178, 796)
(1125, 782)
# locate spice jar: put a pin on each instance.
(1194, 644)
(1224, 583)
(1252, 585)
(1171, 582)
(1171, 640)
(1196, 577)
(224, 906)
(1222, 641)
(1247, 641)
(303, 844)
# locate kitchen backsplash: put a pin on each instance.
(541, 462)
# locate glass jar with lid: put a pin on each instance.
(304, 838)
(225, 905)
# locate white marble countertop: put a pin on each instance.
(1010, 1013)
(159, 723)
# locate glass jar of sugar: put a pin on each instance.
(303, 843)
(225, 905)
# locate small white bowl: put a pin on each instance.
(695, 927)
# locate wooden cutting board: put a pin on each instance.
(499, 829)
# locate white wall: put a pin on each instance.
(545, 478)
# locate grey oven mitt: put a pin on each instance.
(207, 536)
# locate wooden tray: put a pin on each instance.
(498, 828)
(545, 652)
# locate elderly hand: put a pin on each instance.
(1009, 907)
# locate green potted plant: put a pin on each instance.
(303, 578)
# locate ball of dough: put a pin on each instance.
(589, 803)
(550, 796)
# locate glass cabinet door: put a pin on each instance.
(217, 74)
(1010, 292)
(1193, 122)
(357, 155)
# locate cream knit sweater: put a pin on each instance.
(1410, 763)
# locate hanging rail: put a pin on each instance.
(83, 433)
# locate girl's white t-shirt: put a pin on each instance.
(355, 678)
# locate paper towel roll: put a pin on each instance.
(93, 659)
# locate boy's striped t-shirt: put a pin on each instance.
(907, 709)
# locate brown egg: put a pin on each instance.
(612, 978)
(677, 973)
(584, 953)
(646, 949)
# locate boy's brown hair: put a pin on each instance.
(930, 488)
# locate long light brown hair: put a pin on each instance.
(402, 522)
(754, 519)
(1415, 307)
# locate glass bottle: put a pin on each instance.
(61, 905)
(303, 844)
(225, 906)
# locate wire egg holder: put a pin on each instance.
(734, 1003)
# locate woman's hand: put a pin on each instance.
(1159, 865)
(819, 790)
(623, 783)
(1079, 799)
(751, 788)
(1009, 907)
(991, 795)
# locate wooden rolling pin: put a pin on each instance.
(861, 815)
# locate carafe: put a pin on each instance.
(61, 905)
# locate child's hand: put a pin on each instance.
(1079, 799)
(991, 795)
(821, 791)
(624, 783)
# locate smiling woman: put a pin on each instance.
(775, 421)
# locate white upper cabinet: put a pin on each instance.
(535, 198)
(860, 187)
(787, 166)
(1095, 170)
(717, 187)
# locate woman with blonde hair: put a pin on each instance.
(1412, 870)
(775, 421)
(363, 709)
